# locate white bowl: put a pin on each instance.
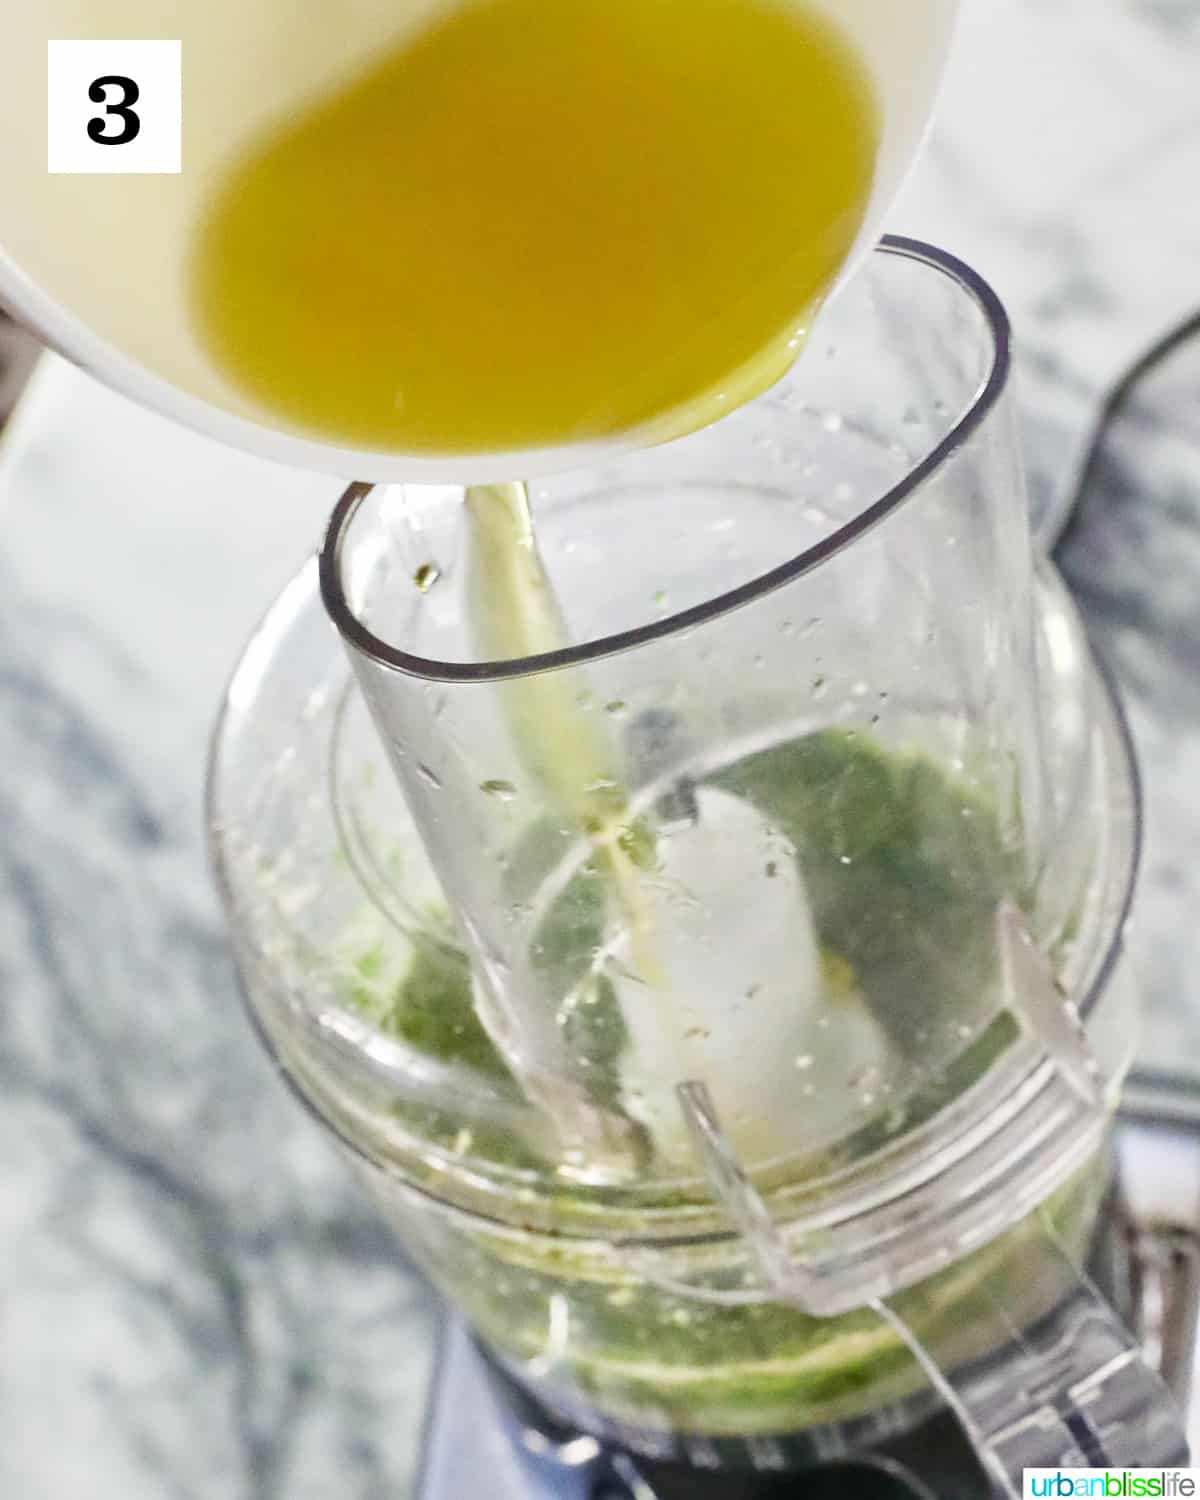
(97, 264)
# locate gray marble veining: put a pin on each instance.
(196, 1302)
(1132, 557)
(1063, 167)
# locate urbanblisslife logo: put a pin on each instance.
(1109, 1484)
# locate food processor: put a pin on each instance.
(829, 1197)
(726, 999)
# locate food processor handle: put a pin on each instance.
(1072, 1391)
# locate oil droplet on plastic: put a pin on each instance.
(503, 791)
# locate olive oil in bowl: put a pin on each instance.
(535, 224)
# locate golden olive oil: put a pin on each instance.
(542, 221)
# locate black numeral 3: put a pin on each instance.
(122, 110)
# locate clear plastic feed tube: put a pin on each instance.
(787, 766)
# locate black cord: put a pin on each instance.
(1114, 405)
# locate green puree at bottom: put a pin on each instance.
(903, 864)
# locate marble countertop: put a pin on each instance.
(196, 1302)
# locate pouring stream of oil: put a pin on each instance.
(538, 224)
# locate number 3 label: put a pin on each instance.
(131, 126)
(114, 107)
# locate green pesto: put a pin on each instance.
(904, 868)
(760, 1368)
(431, 1009)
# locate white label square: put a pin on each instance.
(114, 106)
